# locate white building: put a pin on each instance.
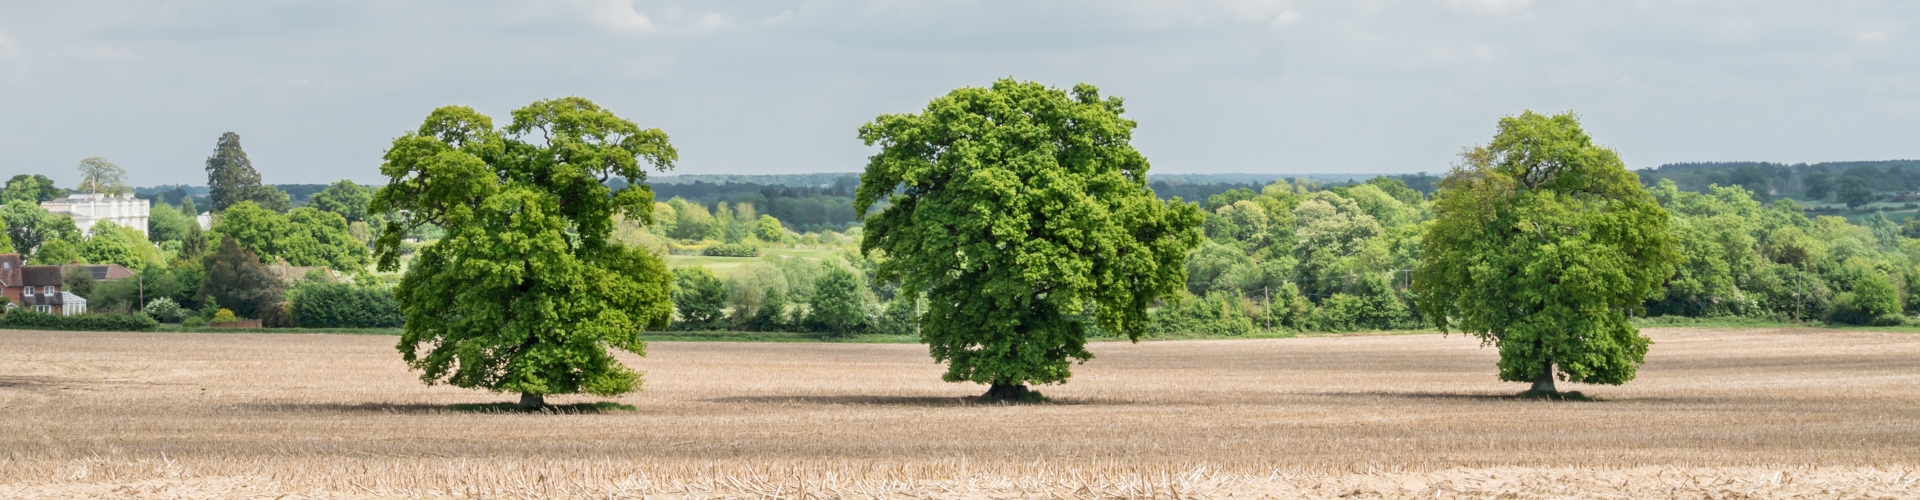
(87, 209)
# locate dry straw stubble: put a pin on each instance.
(1755, 412)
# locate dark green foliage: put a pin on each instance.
(901, 316)
(77, 280)
(279, 315)
(839, 304)
(34, 188)
(30, 320)
(1219, 314)
(1015, 209)
(699, 297)
(237, 280)
(231, 179)
(731, 250)
(1854, 191)
(1819, 185)
(342, 305)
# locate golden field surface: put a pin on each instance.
(1715, 413)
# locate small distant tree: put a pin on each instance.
(345, 198)
(231, 179)
(525, 292)
(699, 297)
(1854, 191)
(97, 175)
(236, 279)
(1543, 243)
(1016, 210)
(839, 303)
(1819, 185)
(768, 229)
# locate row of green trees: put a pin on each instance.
(832, 297)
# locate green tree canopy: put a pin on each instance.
(1543, 243)
(699, 297)
(525, 293)
(30, 226)
(840, 301)
(164, 223)
(1854, 191)
(237, 280)
(345, 198)
(231, 179)
(97, 175)
(304, 237)
(1021, 209)
(34, 188)
(109, 243)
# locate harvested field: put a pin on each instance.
(1756, 413)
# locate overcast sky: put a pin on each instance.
(317, 90)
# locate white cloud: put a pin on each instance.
(712, 20)
(1286, 18)
(1872, 36)
(620, 14)
(1489, 7)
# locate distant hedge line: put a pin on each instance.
(22, 318)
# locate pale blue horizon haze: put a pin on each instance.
(317, 90)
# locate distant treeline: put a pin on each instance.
(1808, 181)
(173, 194)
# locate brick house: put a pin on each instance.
(37, 288)
(10, 280)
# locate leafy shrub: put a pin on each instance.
(341, 305)
(85, 322)
(193, 321)
(163, 309)
(224, 316)
(277, 316)
(1220, 314)
(731, 250)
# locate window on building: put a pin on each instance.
(50, 289)
(44, 309)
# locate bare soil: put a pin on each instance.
(1715, 413)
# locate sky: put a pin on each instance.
(317, 90)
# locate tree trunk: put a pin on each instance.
(532, 400)
(1544, 381)
(1005, 392)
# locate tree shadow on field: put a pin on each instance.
(352, 408)
(1442, 396)
(928, 401)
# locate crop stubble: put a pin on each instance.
(1761, 412)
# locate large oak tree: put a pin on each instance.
(1023, 213)
(525, 293)
(1543, 243)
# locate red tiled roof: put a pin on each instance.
(10, 265)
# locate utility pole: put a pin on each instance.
(1267, 295)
